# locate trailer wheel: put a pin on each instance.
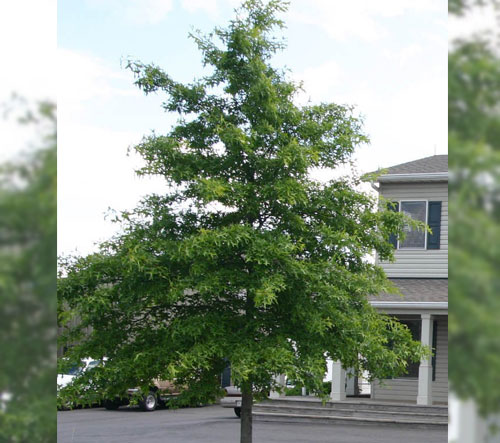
(149, 402)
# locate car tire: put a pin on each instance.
(149, 402)
(112, 405)
(237, 411)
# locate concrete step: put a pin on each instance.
(300, 418)
(359, 405)
(351, 412)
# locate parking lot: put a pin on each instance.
(215, 424)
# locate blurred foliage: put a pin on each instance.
(27, 286)
(474, 143)
(460, 7)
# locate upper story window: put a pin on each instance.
(425, 211)
(415, 239)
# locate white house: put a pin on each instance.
(420, 271)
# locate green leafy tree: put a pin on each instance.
(460, 7)
(474, 134)
(246, 258)
(28, 287)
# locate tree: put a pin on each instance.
(474, 129)
(246, 258)
(28, 286)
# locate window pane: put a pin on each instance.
(414, 238)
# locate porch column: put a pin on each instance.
(280, 380)
(338, 382)
(468, 426)
(424, 396)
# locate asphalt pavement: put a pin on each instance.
(214, 424)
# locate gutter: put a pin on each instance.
(410, 304)
(427, 177)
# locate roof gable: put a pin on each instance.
(428, 165)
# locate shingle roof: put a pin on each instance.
(433, 164)
(417, 289)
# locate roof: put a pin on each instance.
(417, 290)
(428, 165)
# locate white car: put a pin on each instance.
(65, 379)
(68, 377)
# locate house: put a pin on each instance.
(420, 271)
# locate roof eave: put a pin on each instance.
(391, 307)
(422, 177)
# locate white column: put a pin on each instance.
(424, 396)
(280, 380)
(470, 427)
(338, 382)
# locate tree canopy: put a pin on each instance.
(474, 129)
(246, 258)
(27, 287)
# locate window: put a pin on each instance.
(424, 211)
(434, 346)
(417, 210)
(415, 327)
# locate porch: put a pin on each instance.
(426, 383)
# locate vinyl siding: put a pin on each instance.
(405, 389)
(419, 263)
(398, 389)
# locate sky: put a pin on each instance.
(387, 58)
(28, 45)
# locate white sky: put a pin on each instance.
(28, 47)
(389, 58)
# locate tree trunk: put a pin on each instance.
(246, 415)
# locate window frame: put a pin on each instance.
(434, 348)
(426, 201)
